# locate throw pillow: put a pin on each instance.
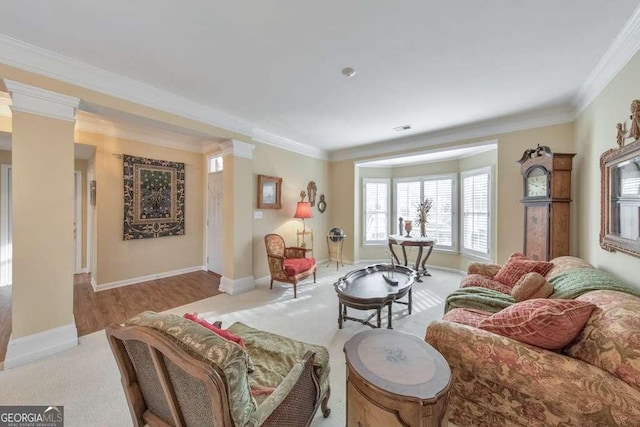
(517, 266)
(466, 316)
(531, 285)
(545, 323)
(222, 333)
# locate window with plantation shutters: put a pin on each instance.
(440, 221)
(476, 215)
(440, 189)
(407, 200)
(376, 210)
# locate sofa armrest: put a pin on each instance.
(488, 270)
(492, 370)
(283, 406)
(295, 252)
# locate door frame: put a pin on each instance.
(5, 253)
(77, 196)
(207, 210)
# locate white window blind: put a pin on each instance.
(440, 222)
(376, 210)
(407, 200)
(476, 216)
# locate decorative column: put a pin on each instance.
(43, 206)
(237, 208)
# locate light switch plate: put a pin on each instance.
(257, 214)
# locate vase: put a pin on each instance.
(408, 226)
(423, 229)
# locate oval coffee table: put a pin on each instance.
(395, 379)
(367, 289)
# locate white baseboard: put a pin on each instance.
(23, 350)
(232, 287)
(429, 266)
(452, 270)
(94, 285)
(134, 280)
(263, 280)
(372, 261)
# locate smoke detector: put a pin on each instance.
(348, 72)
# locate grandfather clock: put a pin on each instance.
(546, 200)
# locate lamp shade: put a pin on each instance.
(303, 210)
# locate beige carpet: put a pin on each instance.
(87, 382)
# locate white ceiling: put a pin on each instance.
(276, 64)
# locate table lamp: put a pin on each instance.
(303, 210)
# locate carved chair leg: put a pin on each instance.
(314, 277)
(271, 285)
(325, 401)
(295, 293)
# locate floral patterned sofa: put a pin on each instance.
(593, 381)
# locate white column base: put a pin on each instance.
(237, 286)
(23, 350)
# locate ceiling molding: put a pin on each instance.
(210, 147)
(513, 123)
(237, 149)
(480, 147)
(265, 137)
(19, 54)
(87, 122)
(621, 50)
(35, 100)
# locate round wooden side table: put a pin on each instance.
(395, 379)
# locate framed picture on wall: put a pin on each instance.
(269, 192)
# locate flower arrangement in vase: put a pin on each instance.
(423, 212)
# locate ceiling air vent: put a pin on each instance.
(402, 128)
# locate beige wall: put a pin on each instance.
(296, 171)
(595, 131)
(237, 218)
(118, 259)
(43, 254)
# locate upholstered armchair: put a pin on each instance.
(176, 372)
(288, 265)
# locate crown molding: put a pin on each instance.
(19, 54)
(209, 147)
(260, 135)
(87, 122)
(621, 50)
(236, 148)
(35, 100)
(25, 56)
(506, 124)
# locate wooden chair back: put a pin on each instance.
(164, 385)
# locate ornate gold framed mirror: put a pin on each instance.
(620, 215)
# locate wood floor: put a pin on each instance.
(95, 310)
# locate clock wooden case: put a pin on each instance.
(546, 200)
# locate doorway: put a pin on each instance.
(6, 224)
(214, 223)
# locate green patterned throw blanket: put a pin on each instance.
(478, 298)
(567, 285)
(573, 283)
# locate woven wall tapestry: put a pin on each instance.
(153, 198)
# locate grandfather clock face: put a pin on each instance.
(536, 183)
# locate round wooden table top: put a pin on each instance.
(399, 363)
